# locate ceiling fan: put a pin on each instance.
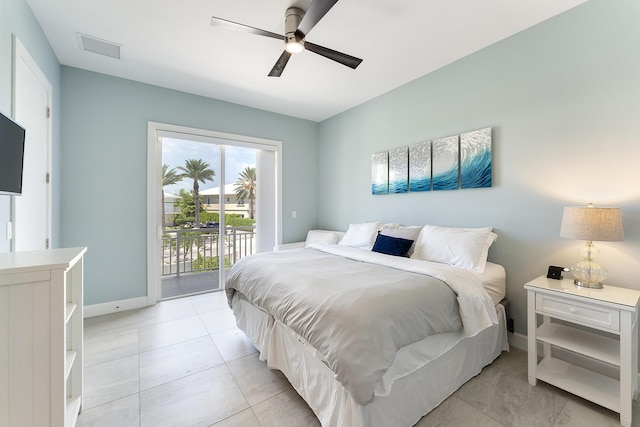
(297, 26)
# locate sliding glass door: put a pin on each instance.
(218, 204)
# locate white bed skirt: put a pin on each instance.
(408, 391)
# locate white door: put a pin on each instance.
(31, 104)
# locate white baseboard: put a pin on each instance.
(518, 341)
(115, 306)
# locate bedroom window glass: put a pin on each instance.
(196, 238)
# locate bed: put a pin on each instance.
(368, 338)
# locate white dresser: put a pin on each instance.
(41, 337)
(613, 310)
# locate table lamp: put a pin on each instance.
(591, 224)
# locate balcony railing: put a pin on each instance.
(198, 250)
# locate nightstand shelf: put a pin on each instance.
(612, 310)
(591, 345)
(582, 382)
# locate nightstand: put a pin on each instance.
(611, 309)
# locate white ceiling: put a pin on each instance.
(171, 43)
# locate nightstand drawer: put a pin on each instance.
(585, 314)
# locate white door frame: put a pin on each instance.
(21, 54)
(155, 131)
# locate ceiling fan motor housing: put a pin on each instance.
(292, 21)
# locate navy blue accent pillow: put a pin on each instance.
(392, 245)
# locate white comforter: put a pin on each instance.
(358, 307)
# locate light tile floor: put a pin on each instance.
(183, 362)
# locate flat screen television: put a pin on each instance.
(11, 156)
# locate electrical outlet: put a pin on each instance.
(9, 230)
(294, 214)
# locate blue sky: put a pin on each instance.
(176, 151)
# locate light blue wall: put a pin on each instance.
(563, 99)
(16, 18)
(104, 170)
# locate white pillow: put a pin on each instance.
(410, 233)
(361, 235)
(463, 247)
(323, 236)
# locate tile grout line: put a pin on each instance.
(244, 396)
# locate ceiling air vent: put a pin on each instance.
(96, 45)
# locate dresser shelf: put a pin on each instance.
(69, 361)
(73, 406)
(71, 308)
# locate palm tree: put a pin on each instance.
(185, 204)
(169, 177)
(246, 187)
(197, 170)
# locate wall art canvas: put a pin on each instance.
(445, 163)
(380, 173)
(399, 170)
(475, 159)
(420, 167)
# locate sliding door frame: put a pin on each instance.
(155, 132)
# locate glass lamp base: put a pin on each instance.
(588, 274)
(580, 284)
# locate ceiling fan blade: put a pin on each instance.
(277, 69)
(342, 58)
(317, 9)
(230, 25)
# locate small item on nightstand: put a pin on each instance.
(556, 272)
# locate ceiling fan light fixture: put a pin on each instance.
(294, 44)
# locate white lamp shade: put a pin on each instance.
(591, 223)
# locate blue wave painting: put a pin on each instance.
(420, 167)
(380, 173)
(399, 170)
(475, 159)
(445, 163)
(379, 188)
(398, 186)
